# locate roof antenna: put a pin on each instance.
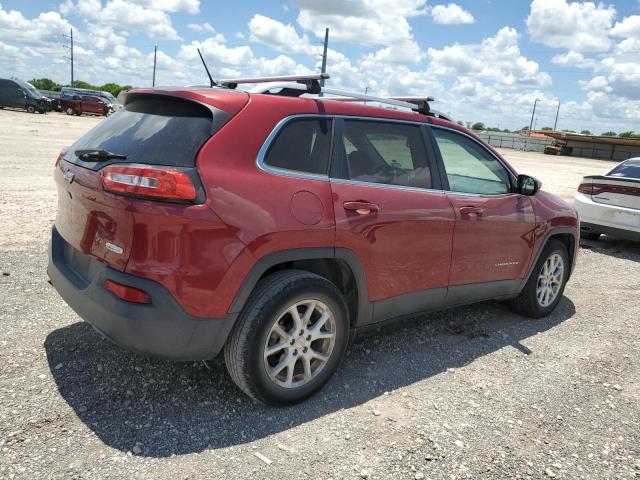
(212, 82)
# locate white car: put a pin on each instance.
(610, 203)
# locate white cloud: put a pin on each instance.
(147, 16)
(579, 27)
(451, 14)
(573, 59)
(496, 58)
(279, 36)
(45, 29)
(201, 27)
(629, 27)
(362, 22)
(188, 6)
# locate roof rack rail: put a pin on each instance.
(312, 81)
(296, 85)
(360, 97)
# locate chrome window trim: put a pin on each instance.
(512, 174)
(384, 185)
(262, 153)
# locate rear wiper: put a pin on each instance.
(96, 155)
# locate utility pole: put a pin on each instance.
(70, 37)
(557, 113)
(323, 69)
(532, 114)
(155, 56)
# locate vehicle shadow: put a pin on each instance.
(162, 408)
(614, 247)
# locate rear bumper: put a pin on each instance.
(608, 219)
(161, 328)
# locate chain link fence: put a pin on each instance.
(515, 141)
(533, 144)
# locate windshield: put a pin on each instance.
(30, 90)
(108, 97)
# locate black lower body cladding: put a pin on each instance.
(161, 328)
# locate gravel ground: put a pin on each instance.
(476, 392)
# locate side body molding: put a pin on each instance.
(401, 306)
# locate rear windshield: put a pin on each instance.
(628, 169)
(155, 130)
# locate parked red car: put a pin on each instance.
(79, 104)
(274, 227)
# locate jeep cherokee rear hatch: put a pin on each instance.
(146, 151)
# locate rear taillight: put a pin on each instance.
(127, 293)
(162, 183)
(60, 156)
(590, 188)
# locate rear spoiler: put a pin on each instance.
(611, 178)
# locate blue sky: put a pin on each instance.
(483, 60)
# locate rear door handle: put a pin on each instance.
(471, 211)
(361, 208)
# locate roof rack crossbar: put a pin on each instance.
(233, 82)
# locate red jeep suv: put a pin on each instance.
(273, 226)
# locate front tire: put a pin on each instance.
(69, 111)
(546, 283)
(31, 109)
(289, 339)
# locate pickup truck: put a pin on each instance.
(79, 104)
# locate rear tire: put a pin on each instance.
(278, 359)
(69, 111)
(31, 109)
(546, 283)
(593, 236)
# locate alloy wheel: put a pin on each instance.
(299, 343)
(550, 280)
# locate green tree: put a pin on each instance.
(460, 122)
(609, 134)
(45, 84)
(506, 130)
(83, 84)
(586, 132)
(546, 128)
(629, 134)
(112, 88)
(569, 131)
(478, 126)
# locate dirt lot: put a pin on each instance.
(475, 392)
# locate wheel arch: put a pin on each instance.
(338, 265)
(568, 237)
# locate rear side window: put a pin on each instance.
(628, 169)
(154, 130)
(303, 145)
(386, 152)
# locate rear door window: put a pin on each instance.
(385, 152)
(303, 145)
(154, 130)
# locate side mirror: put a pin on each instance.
(528, 185)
